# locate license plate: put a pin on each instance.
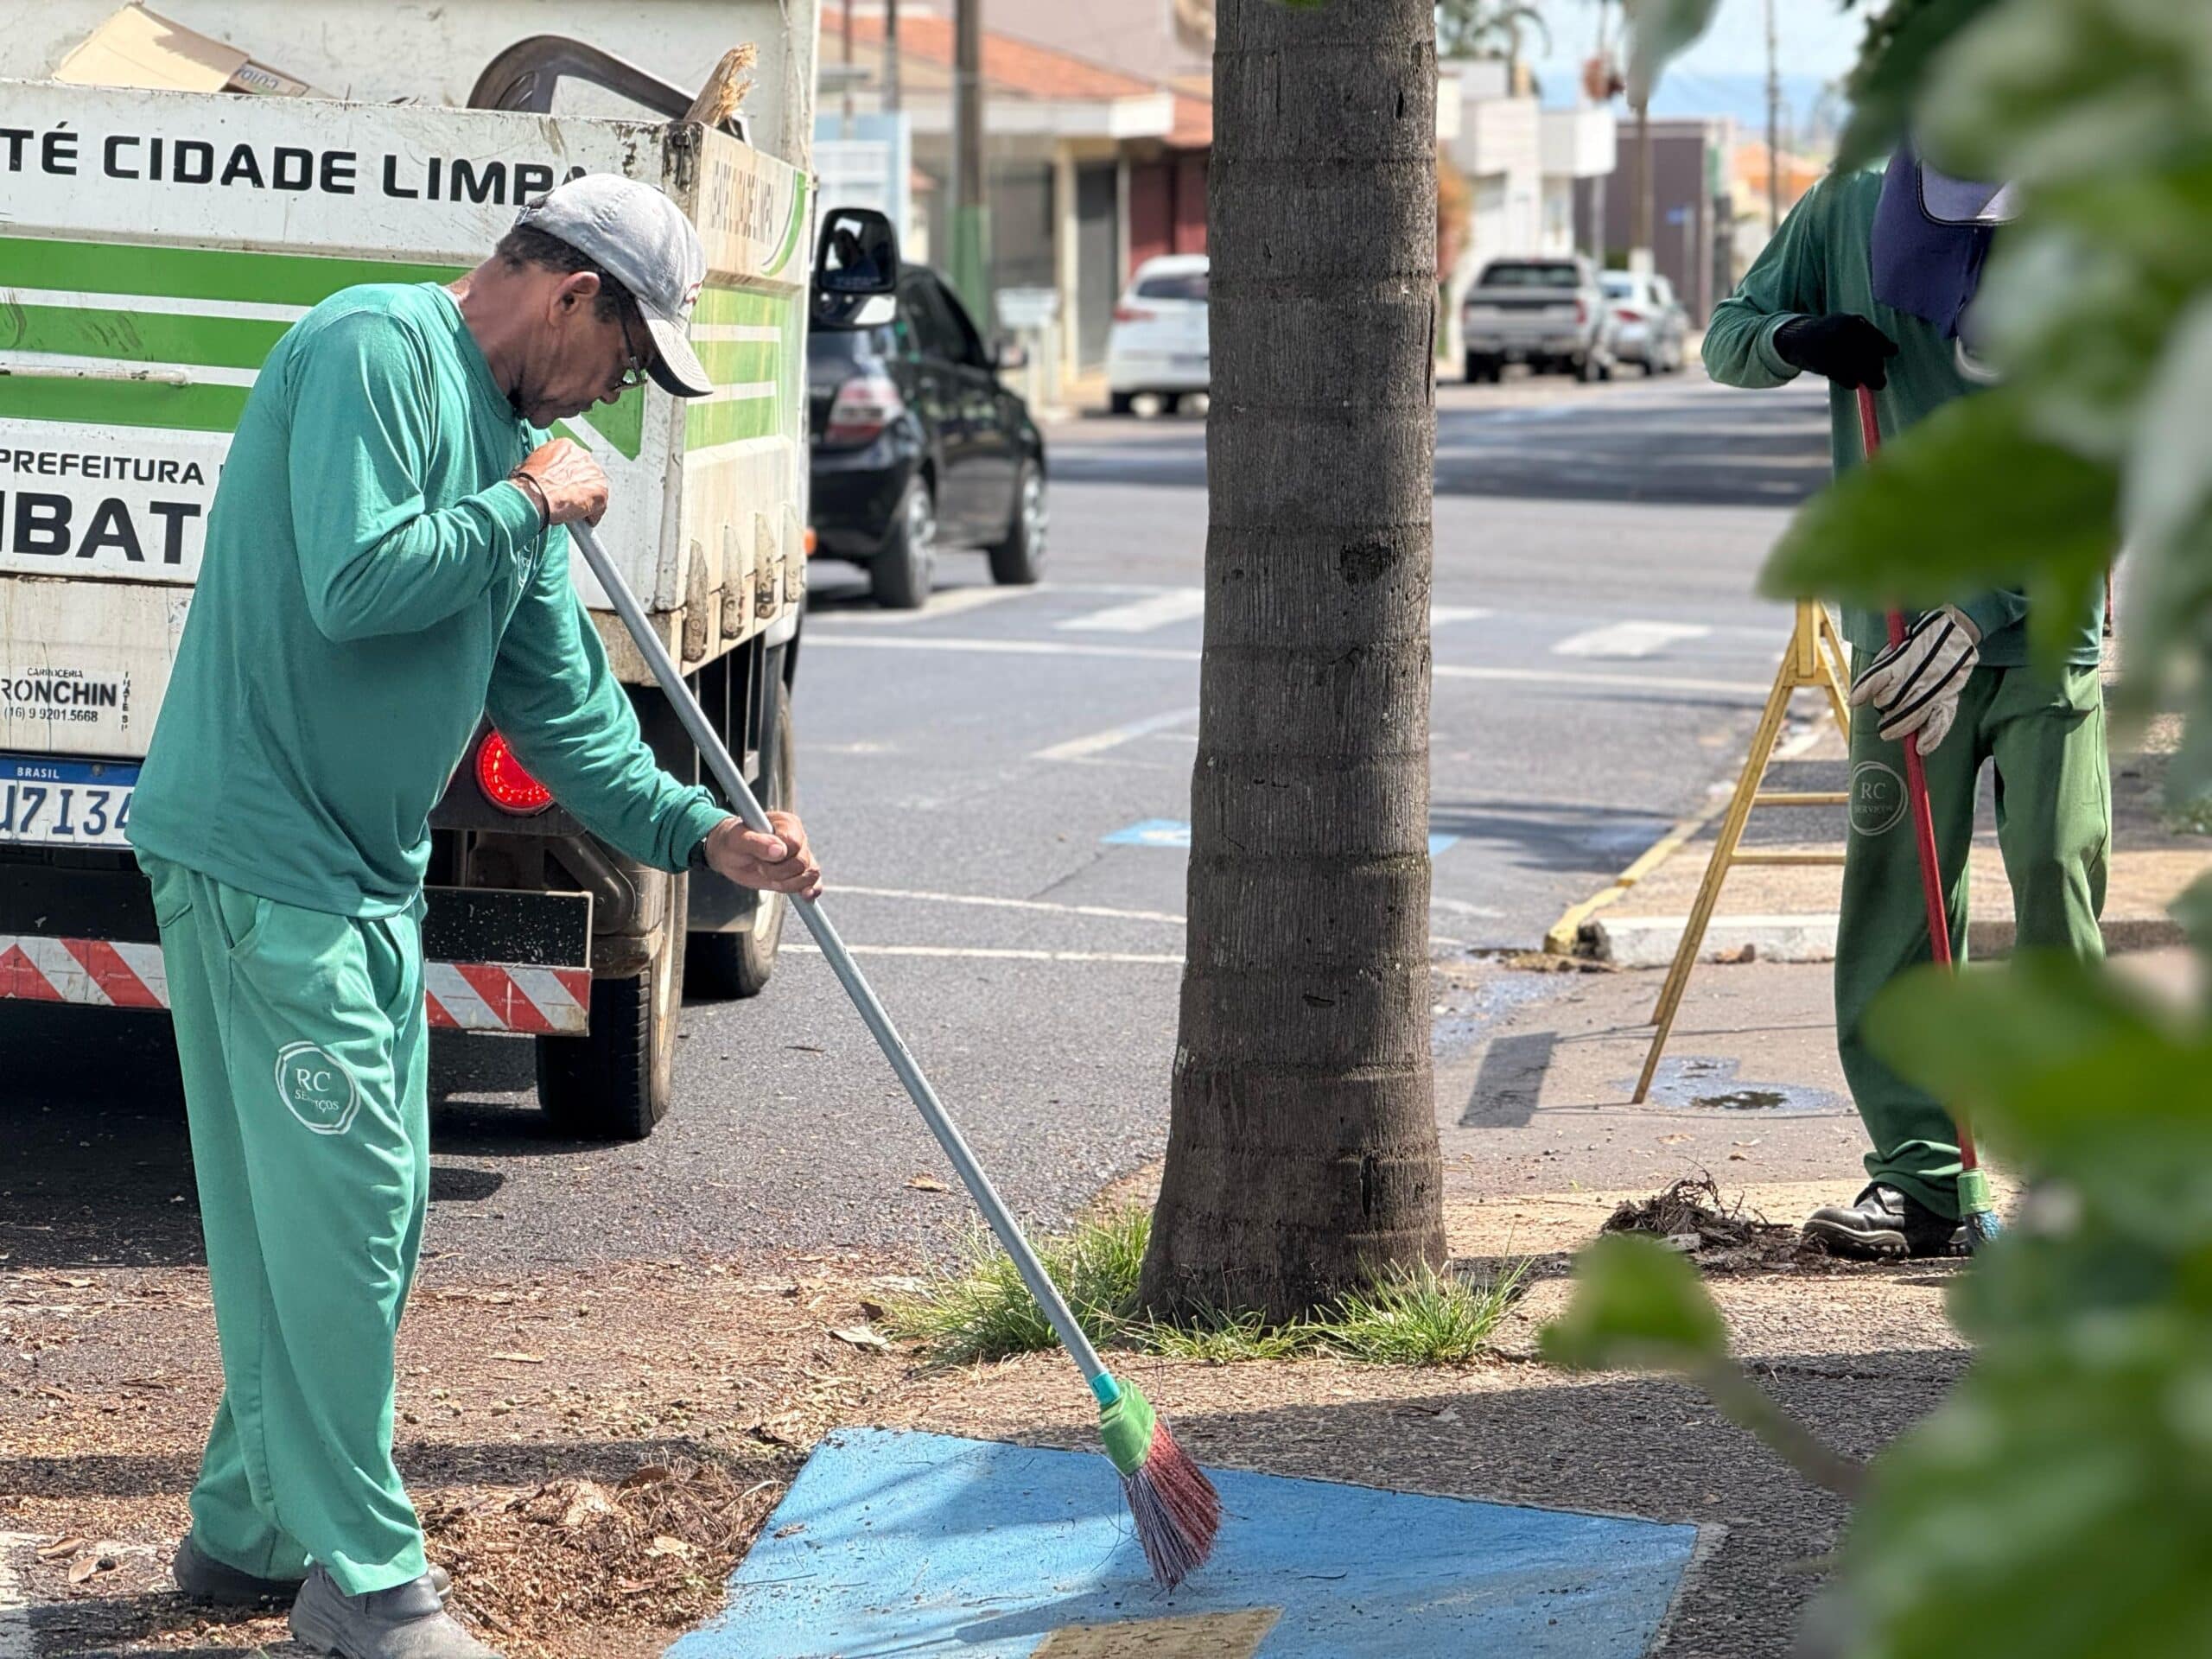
(65, 803)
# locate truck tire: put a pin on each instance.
(1019, 560)
(1121, 402)
(725, 967)
(899, 576)
(1483, 367)
(615, 1083)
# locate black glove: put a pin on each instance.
(1842, 346)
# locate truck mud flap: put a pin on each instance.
(494, 960)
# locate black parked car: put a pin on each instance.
(917, 443)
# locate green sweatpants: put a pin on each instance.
(302, 1040)
(2053, 827)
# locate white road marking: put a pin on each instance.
(995, 953)
(951, 601)
(16, 1640)
(1629, 638)
(1439, 616)
(1081, 748)
(1626, 683)
(1756, 688)
(986, 901)
(1141, 616)
(817, 636)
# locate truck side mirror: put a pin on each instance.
(857, 255)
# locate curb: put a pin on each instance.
(1651, 941)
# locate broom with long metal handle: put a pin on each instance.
(1175, 1508)
(1977, 1208)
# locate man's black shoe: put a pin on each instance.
(1882, 1224)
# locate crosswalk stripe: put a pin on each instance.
(950, 602)
(1629, 638)
(1141, 616)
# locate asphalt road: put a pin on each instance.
(995, 784)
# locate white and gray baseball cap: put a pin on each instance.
(643, 241)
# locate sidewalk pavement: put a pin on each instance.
(593, 1452)
(1788, 912)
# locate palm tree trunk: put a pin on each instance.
(1302, 1149)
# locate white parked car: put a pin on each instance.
(1650, 327)
(1157, 347)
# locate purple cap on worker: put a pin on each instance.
(642, 240)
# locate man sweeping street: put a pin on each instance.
(1868, 287)
(385, 564)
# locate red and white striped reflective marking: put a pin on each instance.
(495, 996)
(458, 995)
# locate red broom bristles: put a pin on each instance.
(1176, 1510)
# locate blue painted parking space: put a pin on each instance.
(892, 1543)
(1173, 832)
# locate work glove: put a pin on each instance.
(1842, 346)
(1915, 684)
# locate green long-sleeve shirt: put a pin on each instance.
(1818, 264)
(372, 585)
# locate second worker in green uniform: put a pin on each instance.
(1964, 684)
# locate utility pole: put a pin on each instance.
(846, 131)
(1647, 187)
(891, 57)
(970, 269)
(1773, 126)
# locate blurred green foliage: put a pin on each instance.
(2058, 1505)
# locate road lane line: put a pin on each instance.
(1628, 683)
(1079, 748)
(817, 636)
(990, 953)
(1141, 616)
(1439, 615)
(986, 901)
(950, 601)
(1629, 638)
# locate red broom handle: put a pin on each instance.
(1916, 789)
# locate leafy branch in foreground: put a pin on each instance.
(2059, 1502)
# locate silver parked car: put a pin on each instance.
(1651, 327)
(1549, 313)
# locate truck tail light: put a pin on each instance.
(1133, 314)
(1582, 312)
(864, 406)
(1627, 314)
(503, 780)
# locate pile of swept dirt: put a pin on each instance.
(1692, 1215)
(654, 1549)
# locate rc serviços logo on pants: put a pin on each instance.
(316, 1087)
(1876, 797)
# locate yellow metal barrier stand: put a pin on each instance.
(1815, 661)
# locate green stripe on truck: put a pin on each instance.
(123, 403)
(139, 336)
(742, 305)
(197, 273)
(707, 424)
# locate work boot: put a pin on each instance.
(1882, 1224)
(407, 1621)
(202, 1578)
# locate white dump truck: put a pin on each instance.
(154, 245)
